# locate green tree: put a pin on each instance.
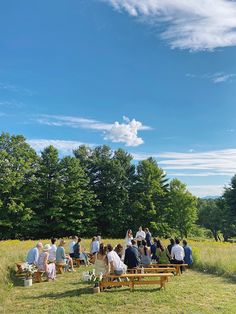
(150, 206)
(210, 216)
(48, 194)
(77, 215)
(183, 208)
(17, 169)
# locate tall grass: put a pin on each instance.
(215, 257)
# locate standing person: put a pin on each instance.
(94, 246)
(148, 237)
(128, 238)
(188, 257)
(132, 259)
(62, 257)
(71, 246)
(33, 254)
(140, 236)
(101, 261)
(52, 251)
(43, 264)
(177, 254)
(169, 248)
(115, 265)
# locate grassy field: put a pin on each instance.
(194, 292)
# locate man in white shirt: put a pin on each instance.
(115, 264)
(177, 254)
(140, 236)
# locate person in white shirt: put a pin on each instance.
(94, 246)
(177, 254)
(71, 246)
(140, 236)
(115, 264)
(52, 251)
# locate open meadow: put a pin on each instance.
(209, 288)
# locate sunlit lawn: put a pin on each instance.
(194, 292)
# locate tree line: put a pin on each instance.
(95, 191)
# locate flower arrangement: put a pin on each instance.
(29, 270)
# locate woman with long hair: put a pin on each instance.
(101, 262)
(128, 238)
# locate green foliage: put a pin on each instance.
(95, 191)
(183, 208)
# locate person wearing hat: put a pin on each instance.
(43, 264)
(62, 257)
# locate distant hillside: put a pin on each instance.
(210, 197)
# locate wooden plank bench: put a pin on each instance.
(131, 280)
(152, 270)
(60, 267)
(176, 266)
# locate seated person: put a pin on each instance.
(78, 252)
(115, 265)
(188, 257)
(119, 250)
(169, 248)
(43, 264)
(132, 259)
(52, 251)
(101, 262)
(33, 254)
(94, 246)
(145, 254)
(154, 255)
(61, 257)
(71, 246)
(177, 254)
(162, 254)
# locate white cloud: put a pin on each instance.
(126, 132)
(64, 147)
(188, 24)
(206, 190)
(16, 89)
(210, 163)
(218, 77)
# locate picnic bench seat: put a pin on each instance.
(146, 270)
(131, 280)
(60, 267)
(176, 266)
(20, 269)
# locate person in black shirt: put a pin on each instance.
(131, 257)
(169, 248)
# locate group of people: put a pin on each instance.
(137, 251)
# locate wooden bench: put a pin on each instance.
(76, 262)
(152, 270)
(60, 267)
(131, 280)
(176, 266)
(38, 276)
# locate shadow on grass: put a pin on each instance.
(17, 281)
(65, 294)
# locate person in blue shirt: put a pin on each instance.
(188, 257)
(33, 254)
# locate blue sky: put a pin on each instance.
(154, 77)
